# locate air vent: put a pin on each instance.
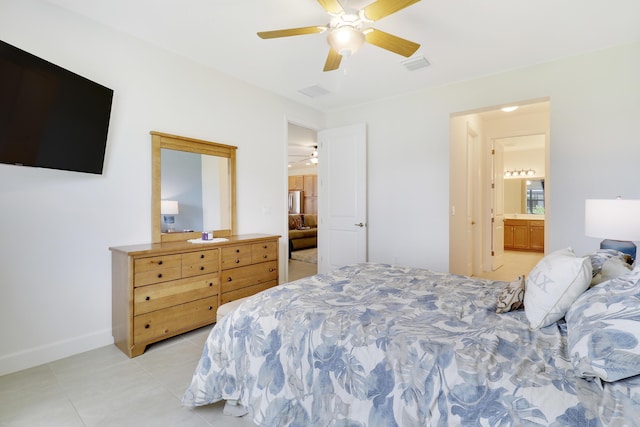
(413, 64)
(314, 91)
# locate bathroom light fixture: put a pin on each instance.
(509, 109)
(518, 173)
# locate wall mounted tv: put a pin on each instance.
(50, 117)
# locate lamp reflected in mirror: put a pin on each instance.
(168, 210)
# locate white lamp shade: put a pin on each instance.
(169, 207)
(615, 219)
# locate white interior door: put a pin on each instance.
(342, 201)
(497, 217)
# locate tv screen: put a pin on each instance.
(49, 116)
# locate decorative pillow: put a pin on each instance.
(612, 268)
(553, 285)
(512, 296)
(600, 257)
(295, 222)
(603, 329)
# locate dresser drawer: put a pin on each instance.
(201, 262)
(174, 320)
(156, 269)
(261, 252)
(241, 277)
(236, 256)
(157, 276)
(162, 295)
(247, 291)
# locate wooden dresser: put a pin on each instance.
(164, 289)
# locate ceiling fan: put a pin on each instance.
(346, 33)
(303, 153)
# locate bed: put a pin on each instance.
(379, 345)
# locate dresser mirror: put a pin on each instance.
(198, 175)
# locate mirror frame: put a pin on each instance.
(180, 143)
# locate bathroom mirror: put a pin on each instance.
(524, 196)
(198, 175)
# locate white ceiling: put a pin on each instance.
(462, 39)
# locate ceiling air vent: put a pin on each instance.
(314, 91)
(413, 64)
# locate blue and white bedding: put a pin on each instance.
(376, 345)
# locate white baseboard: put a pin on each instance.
(40, 355)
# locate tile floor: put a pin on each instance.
(515, 264)
(103, 387)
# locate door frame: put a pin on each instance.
(458, 186)
(284, 247)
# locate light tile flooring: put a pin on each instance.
(103, 387)
(515, 264)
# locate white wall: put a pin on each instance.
(56, 226)
(594, 150)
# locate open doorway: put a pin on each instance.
(302, 201)
(488, 147)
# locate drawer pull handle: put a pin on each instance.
(159, 275)
(237, 261)
(210, 307)
(237, 251)
(201, 256)
(271, 270)
(210, 284)
(147, 299)
(265, 256)
(147, 326)
(265, 246)
(160, 262)
(201, 268)
(229, 279)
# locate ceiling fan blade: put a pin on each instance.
(332, 6)
(291, 32)
(333, 61)
(382, 8)
(390, 42)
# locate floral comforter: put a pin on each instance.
(377, 345)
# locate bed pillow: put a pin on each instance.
(512, 296)
(553, 285)
(603, 329)
(607, 264)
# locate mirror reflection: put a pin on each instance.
(200, 185)
(193, 187)
(524, 196)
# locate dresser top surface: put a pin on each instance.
(184, 246)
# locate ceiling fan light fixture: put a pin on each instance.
(345, 40)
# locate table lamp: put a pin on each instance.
(617, 221)
(169, 208)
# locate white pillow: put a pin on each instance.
(553, 285)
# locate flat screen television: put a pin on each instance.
(50, 117)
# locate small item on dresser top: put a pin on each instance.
(207, 235)
(208, 240)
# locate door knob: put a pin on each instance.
(360, 224)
